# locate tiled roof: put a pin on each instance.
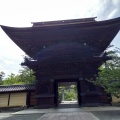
(11, 88)
(86, 31)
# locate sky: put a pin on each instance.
(20, 13)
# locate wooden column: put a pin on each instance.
(82, 90)
(44, 93)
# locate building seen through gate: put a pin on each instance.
(63, 52)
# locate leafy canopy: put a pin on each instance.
(109, 75)
(25, 76)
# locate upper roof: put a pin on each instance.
(96, 34)
(15, 88)
(63, 22)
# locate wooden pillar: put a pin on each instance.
(82, 90)
(44, 93)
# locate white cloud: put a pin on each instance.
(1, 67)
(114, 13)
(116, 2)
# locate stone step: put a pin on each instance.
(68, 106)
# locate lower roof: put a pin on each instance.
(16, 88)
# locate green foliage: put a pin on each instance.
(70, 92)
(70, 95)
(60, 95)
(11, 79)
(109, 76)
(25, 77)
(2, 74)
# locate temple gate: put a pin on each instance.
(66, 51)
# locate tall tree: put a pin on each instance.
(11, 80)
(2, 74)
(25, 76)
(109, 75)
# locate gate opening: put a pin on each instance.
(67, 94)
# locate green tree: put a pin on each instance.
(2, 74)
(11, 80)
(70, 92)
(70, 95)
(25, 76)
(109, 75)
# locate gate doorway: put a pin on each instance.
(67, 93)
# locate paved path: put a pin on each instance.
(69, 116)
(4, 115)
(83, 113)
(63, 110)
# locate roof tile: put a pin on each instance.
(11, 88)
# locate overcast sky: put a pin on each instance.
(20, 13)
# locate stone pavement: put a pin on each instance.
(82, 113)
(63, 110)
(4, 115)
(69, 116)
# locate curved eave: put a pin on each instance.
(63, 22)
(98, 34)
(87, 22)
